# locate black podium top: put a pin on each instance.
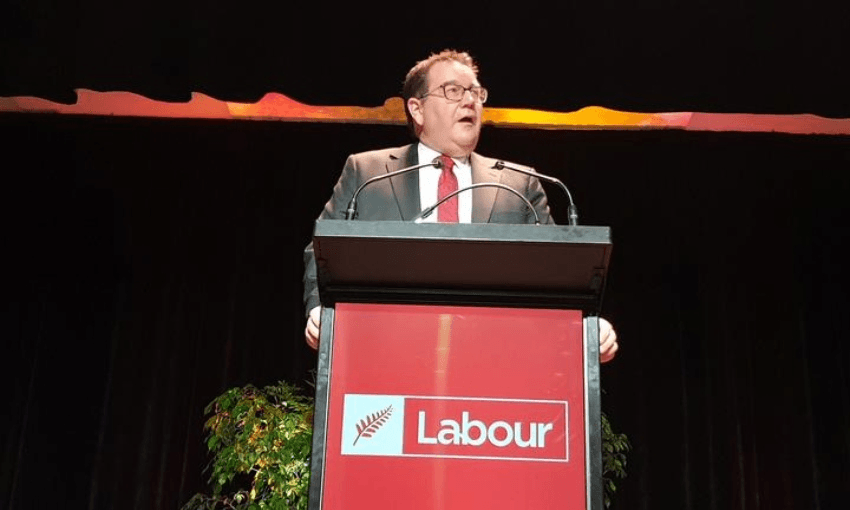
(481, 263)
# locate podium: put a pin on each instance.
(458, 366)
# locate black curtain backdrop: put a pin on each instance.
(756, 56)
(151, 264)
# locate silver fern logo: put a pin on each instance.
(369, 426)
(372, 424)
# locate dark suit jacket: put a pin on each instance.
(397, 198)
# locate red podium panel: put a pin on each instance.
(455, 407)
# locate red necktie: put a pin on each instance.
(447, 212)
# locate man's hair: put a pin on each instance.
(416, 82)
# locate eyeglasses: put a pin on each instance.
(455, 92)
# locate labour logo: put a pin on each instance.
(455, 427)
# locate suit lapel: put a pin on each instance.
(483, 198)
(405, 186)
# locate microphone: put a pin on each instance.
(573, 211)
(428, 211)
(351, 212)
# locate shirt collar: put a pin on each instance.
(428, 154)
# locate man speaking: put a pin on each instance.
(443, 103)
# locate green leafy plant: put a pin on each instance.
(261, 440)
(614, 448)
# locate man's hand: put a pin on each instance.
(311, 332)
(607, 341)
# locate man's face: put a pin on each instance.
(449, 127)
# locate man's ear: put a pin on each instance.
(414, 106)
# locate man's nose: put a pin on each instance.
(468, 98)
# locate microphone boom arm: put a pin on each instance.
(351, 212)
(428, 211)
(573, 210)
